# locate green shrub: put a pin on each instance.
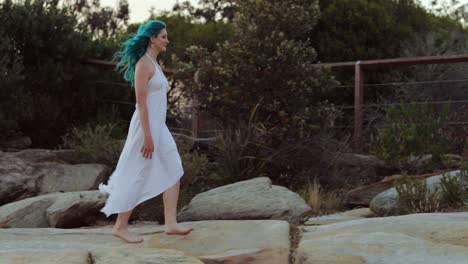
(415, 197)
(95, 143)
(455, 188)
(413, 130)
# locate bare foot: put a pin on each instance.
(126, 236)
(177, 230)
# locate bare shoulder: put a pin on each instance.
(144, 67)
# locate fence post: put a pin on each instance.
(358, 102)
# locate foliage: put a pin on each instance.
(412, 130)
(239, 151)
(57, 87)
(455, 188)
(95, 143)
(454, 9)
(196, 163)
(100, 22)
(265, 61)
(14, 101)
(208, 10)
(339, 34)
(415, 197)
(183, 32)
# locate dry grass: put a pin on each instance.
(322, 201)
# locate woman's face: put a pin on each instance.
(160, 42)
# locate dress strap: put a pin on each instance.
(155, 63)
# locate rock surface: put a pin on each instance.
(33, 172)
(262, 241)
(94, 245)
(419, 238)
(340, 217)
(251, 199)
(64, 210)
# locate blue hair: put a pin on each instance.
(135, 47)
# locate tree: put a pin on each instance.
(100, 22)
(267, 62)
(350, 30)
(43, 53)
(209, 11)
(454, 9)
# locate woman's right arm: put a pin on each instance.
(142, 75)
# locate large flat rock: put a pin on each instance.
(93, 245)
(212, 242)
(418, 238)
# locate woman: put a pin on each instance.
(149, 163)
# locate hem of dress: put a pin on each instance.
(109, 212)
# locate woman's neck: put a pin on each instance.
(153, 53)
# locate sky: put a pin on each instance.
(139, 9)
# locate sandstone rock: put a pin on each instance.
(213, 242)
(340, 217)
(229, 241)
(251, 199)
(45, 155)
(94, 245)
(419, 238)
(65, 210)
(24, 174)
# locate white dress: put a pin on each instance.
(135, 178)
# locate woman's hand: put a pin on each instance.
(148, 147)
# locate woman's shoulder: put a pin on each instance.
(145, 65)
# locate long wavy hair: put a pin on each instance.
(135, 47)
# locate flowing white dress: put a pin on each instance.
(135, 178)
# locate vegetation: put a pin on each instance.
(412, 130)
(252, 66)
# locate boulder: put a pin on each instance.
(252, 199)
(64, 210)
(28, 173)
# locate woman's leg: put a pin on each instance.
(170, 198)
(120, 229)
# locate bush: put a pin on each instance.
(239, 152)
(415, 197)
(265, 61)
(412, 130)
(95, 143)
(455, 188)
(52, 87)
